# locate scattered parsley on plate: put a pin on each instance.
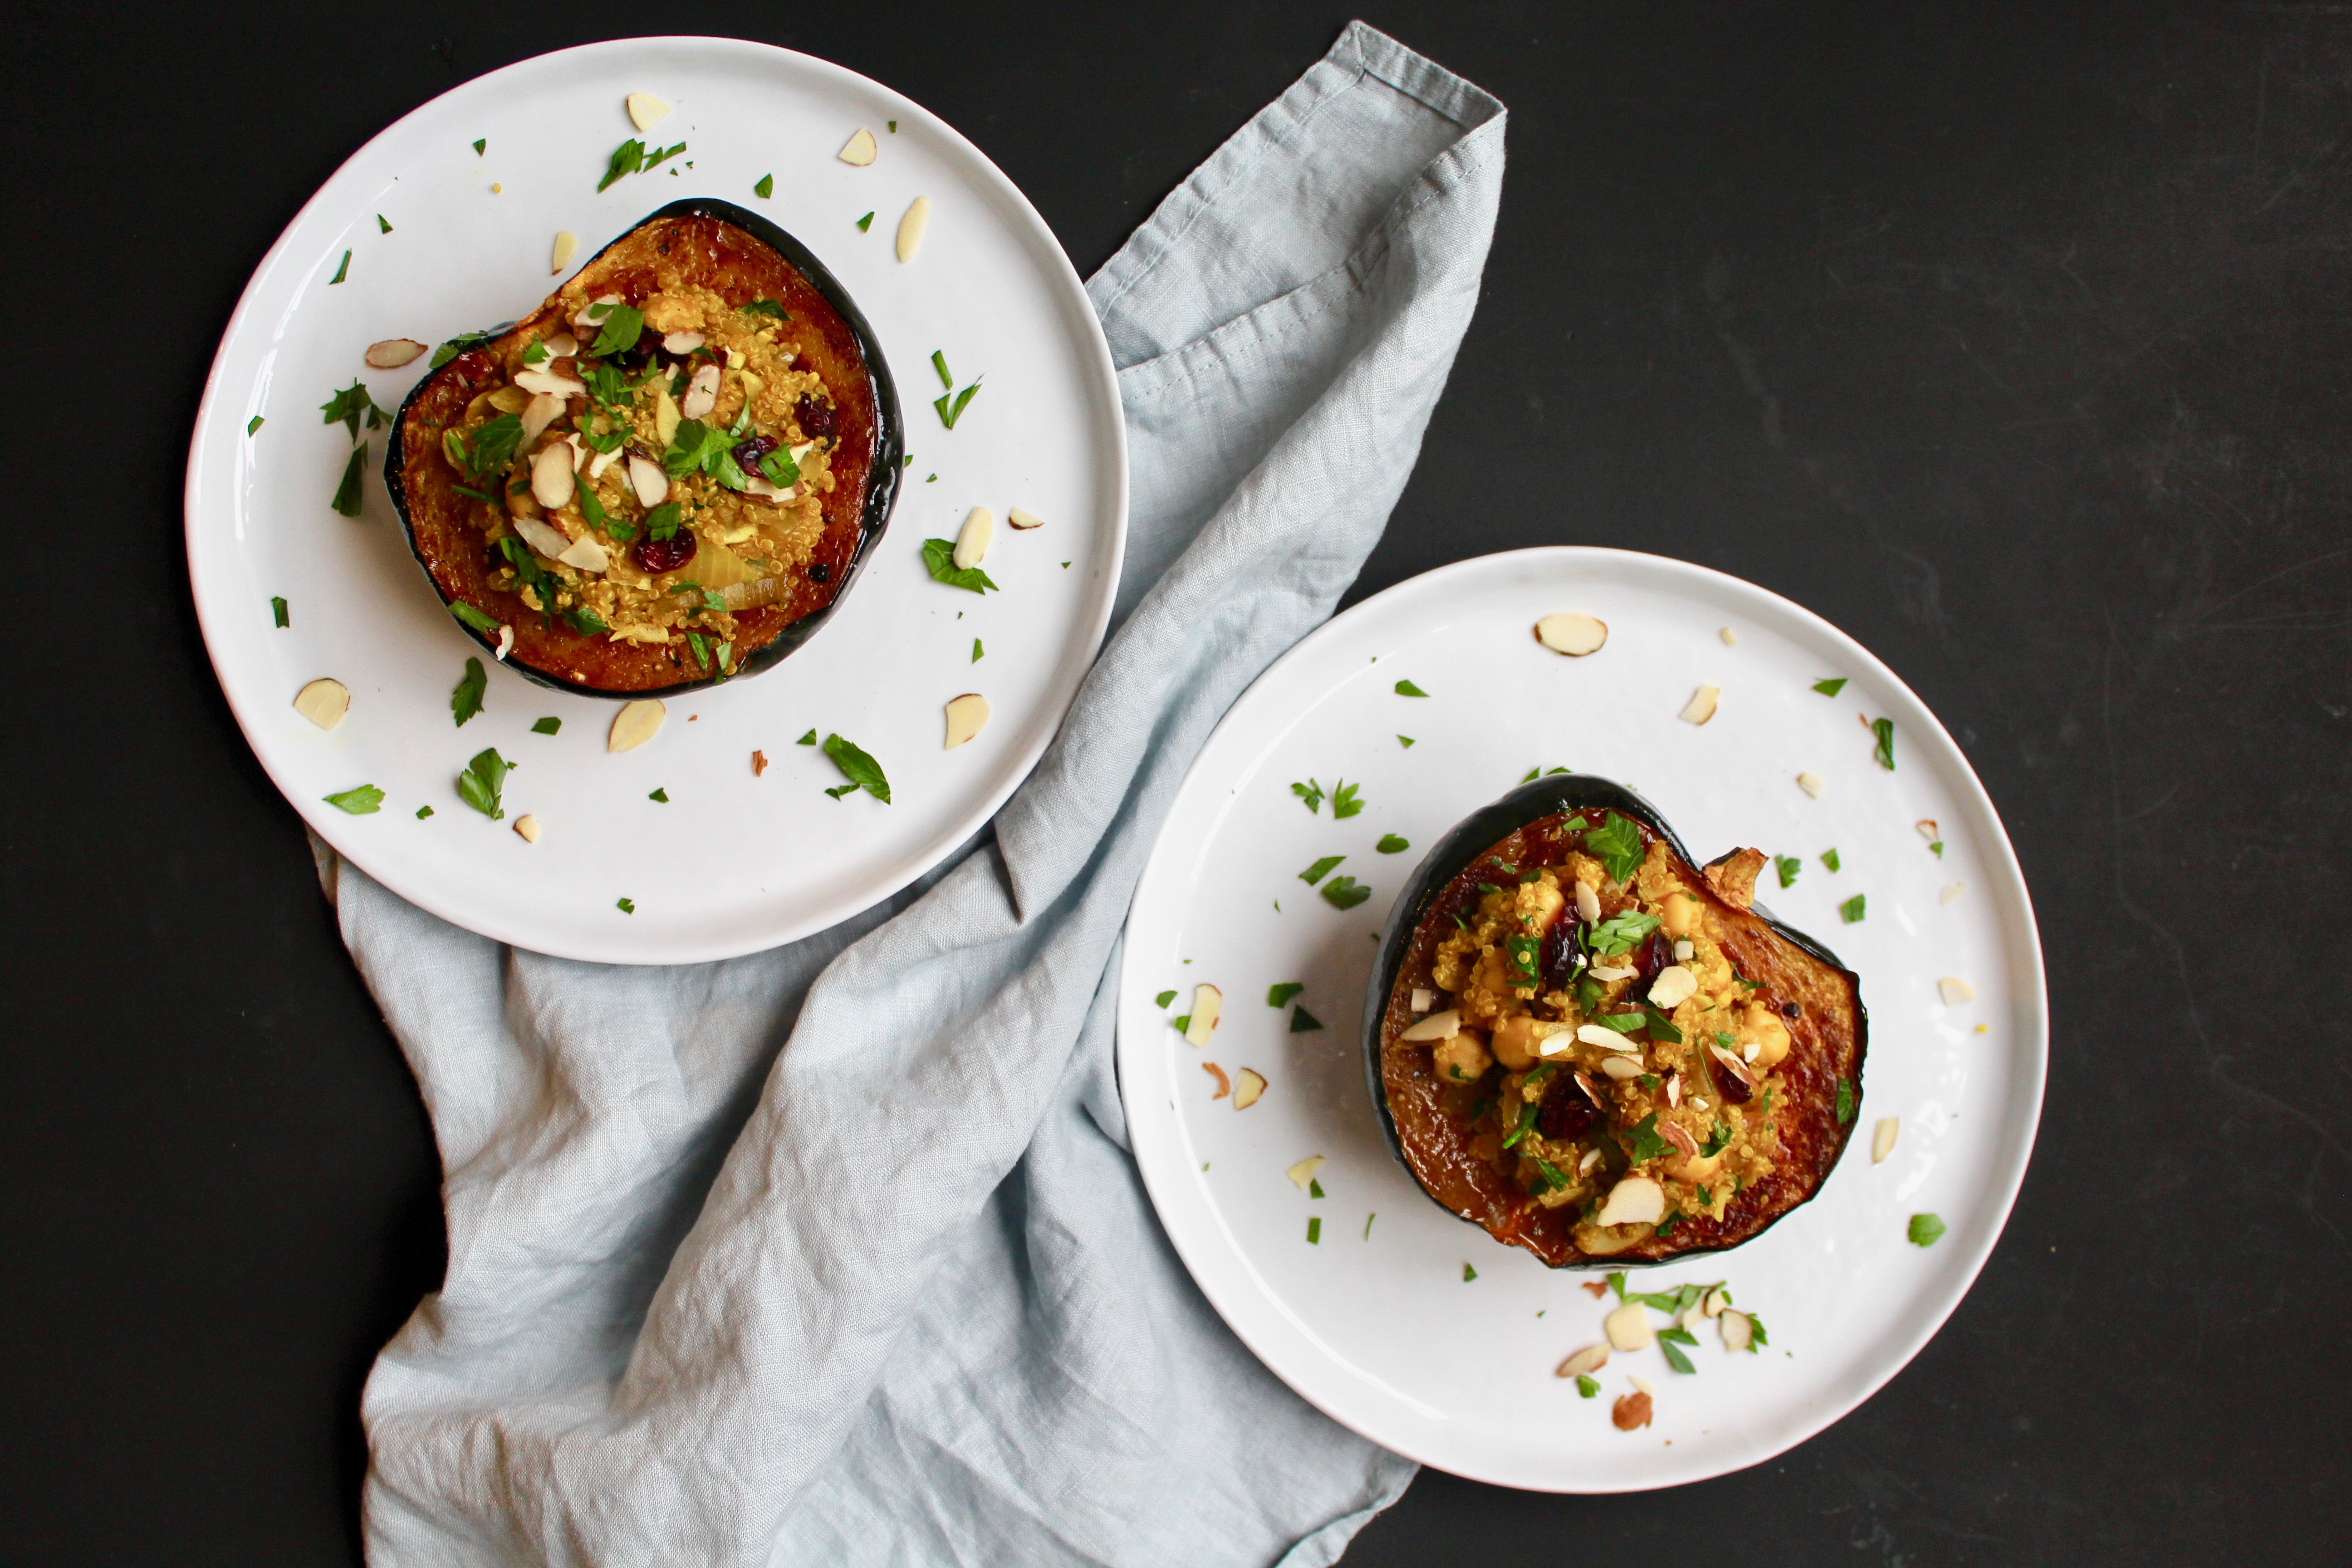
(364, 801)
(1407, 688)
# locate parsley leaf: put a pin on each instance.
(810, 740)
(1845, 1100)
(349, 495)
(1619, 932)
(940, 363)
(277, 613)
(586, 622)
(865, 223)
(1757, 1335)
(254, 423)
(466, 700)
(1343, 799)
(342, 271)
(1623, 1023)
(1315, 1232)
(492, 448)
(547, 726)
(423, 812)
(764, 186)
(1926, 1230)
(1320, 869)
(1787, 866)
(463, 342)
(949, 413)
(1830, 858)
(1829, 688)
(1391, 844)
(1407, 688)
(1586, 1388)
(1884, 730)
(481, 784)
(1468, 1274)
(1646, 1144)
(364, 801)
(764, 307)
(1302, 1021)
(659, 796)
(618, 331)
(1405, 741)
(1163, 998)
(1618, 843)
(1718, 1138)
(861, 770)
(939, 559)
(1311, 792)
(473, 617)
(1526, 1119)
(1674, 1357)
(1345, 892)
(1852, 911)
(1276, 995)
(347, 405)
(626, 906)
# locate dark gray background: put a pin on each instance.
(2011, 339)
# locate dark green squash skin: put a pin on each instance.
(882, 485)
(1531, 802)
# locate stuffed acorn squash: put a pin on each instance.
(1597, 1049)
(667, 474)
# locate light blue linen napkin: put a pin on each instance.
(837, 1254)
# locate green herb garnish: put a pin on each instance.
(1884, 730)
(810, 740)
(865, 223)
(1278, 995)
(1924, 1229)
(1586, 1388)
(632, 157)
(1343, 799)
(277, 613)
(765, 307)
(382, 226)
(764, 186)
(364, 801)
(1718, 1138)
(1829, 688)
(1163, 998)
(1851, 911)
(660, 797)
(1406, 742)
(1391, 844)
(466, 698)
(1407, 688)
(342, 271)
(479, 146)
(460, 344)
(492, 448)
(976, 650)
(1618, 843)
(1787, 866)
(1619, 932)
(1345, 892)
(939, 559)
(1303, 1022)
(482, 783)
(618, 331)
(1646, 1144)
(348, 495)
(586, 622)
(940, 363)
(473, 617)
(253, 424)
(626, 906)
(861, 770)
(1667, 1338)
(547, 726)
(351, 402)
(1525, 960)
(1845, 1100)
(1320, 869)
(1314, 1188)
(1526, 1119)
(1468, 1274)
(1315, 1231)
(423, 812)
(1311, 791)
(1830, 858)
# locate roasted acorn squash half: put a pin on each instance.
(667, 475)
(1595, 1048)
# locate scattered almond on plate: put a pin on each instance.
(528, 827)
(646, 110)
(567, 245)
(860, 149)
(1247, 1089)
(1024, 520)
(1207, 1002)
(913, 226)
(1882, 1138)
(1701, 706)
(393, 353)
(1572, 635)
(635, 724)
(1811, 784)
(324, 701)
(966, 714)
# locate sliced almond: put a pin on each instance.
(1635, 1200)
(1956, 990)
(765, 490)
(1675, 1091)
(635, 724)
(541, 536)
(1926, 826)
(1422, 998)
(973, 538)
(594, 312)
(859, 149)
(1951, 891)
(1628, 1327)
(1882, 1138)
(585, 555)
(1632, 1411)
(1588, 904)
(1247, 1089)
(527, 825)
(1679, 1136)
(912, 228)
(1592, 1158)
(563, 345)
(1224, 1084)
(551, 478)
(647, 479)
(1641, 1384)
(1612, 972)
(1701, 706)
(550, 382)
(1024, 520)
(646, 110)
(1811, 784)
(505, 643)
(1734, 1067)
(393, 353)
(1573, 635)
(1712, 1304)
(1302, 1175)
(324, 703)
(1596, 1035)
(1585, 1362)
(1553, 1040)
(966, 714)
(539, 413)
(1684, 950)
(1436, 1026)
(1738, 1329)
(1207, 1002)
(1622, 1070)
(1674, 986)
(701, 394)
(1730, 638)
(567, 245)
(665, 414)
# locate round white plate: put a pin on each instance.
(733, 863)
(1382, 1331)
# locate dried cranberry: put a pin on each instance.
(658, 555)
(1656, 953)
(1734, 1088)
(1565, 1112)
(639, 355)
(820, 571)
(752, 448)
(1791, 1010)
(1560, 949)
(818, 421)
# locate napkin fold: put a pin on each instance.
(836, 1253)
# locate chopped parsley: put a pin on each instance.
(1623, 1023)
(466, 698)
(1304, 1022)
(865, 223)
(1345, 892)
(382, 225)
(460, 344)
(1662, 1027)
(1279, 996)
(1586, 1388)
(277, 613)
(632, 157)
(1756, 1334)
(469, 615)
(764, 307)
(253, 424)
(547, 726)
(1851, 911)
(490, 450)
(764, 186)
(586, 622)
(807, 740)
(1406, 742)
(977, 651)
(660, 797)
(1619, 932)
(861, 770)
(1646, 1144)
(939, 559)
(1314, 1188)
(342, 271)
(1718, 1138)
(352, 401)
(364, 801)
(1468, 1274)
(1845, 1100)
(1407, 688)
(1925, 1230)
(1315, 1231)
(1391, 844)
(1829, 688)
(1884, 730)
(951, 412)
(1343, 799)
(940, 363)
(1163, 998)
(1830, 858)
(618, 331)
(482, 783)
(1525, 960)
(1618, 843)
(1670, 1341)
(626, 906)
(1311, 791)
(1787, 866)
(1368, 1223)
(423, 812)
(349, 495)
(1937, 849)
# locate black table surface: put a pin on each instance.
(2012, 339)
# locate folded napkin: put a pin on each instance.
(837, 1254)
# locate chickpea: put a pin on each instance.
(1770, 1035)
(1514, 1041)
(1537, 904)
(1462, 1059)
(1681, 915)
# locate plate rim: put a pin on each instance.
(1147, 1122)
(1109, 438)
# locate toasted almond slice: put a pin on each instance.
(551, 477)
(1632, 1411)
(1557, 1040)
(1712, 1304)
(1674, 986)
(393, 353)
(759, 764)
(1701, 706)
(1622, 1068)
(594, 312)
(1641, 1384)
(966, 714)
(1024, 520)
(1628, 1327)
(1436, 1026)
(548, 382)
(1811, 784)
(665, 414)
(764, 489)
(1926, 826)
(701, 394)
(682, 343)
(635, 724)
(527, 825)
(1585, 1362)
(563, 345)
(647, 479)
(539, 413)
(1684, 950)
(1882, 1138)
(505, 643)
(1956, 990)
(1224, 1084)
(1302, 1175)
(912, 228)
(1588, 904)
(1730, 638)
(1573, 635)
(1952, 890)
(1207, 1002)
(586, 555)
(324, 703)
(859, 149)
(1680, 1138)
(1423, 998)
(973, 539)
(1595, 1035)
(646, 110)
(541, 536)
(1612, 972)
(567, 245)
(1738, 1329)
(1246, 1088)
(1734, 1067)
(1592, 1158)
(1635, 1200)
(1675, 1091)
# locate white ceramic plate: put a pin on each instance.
(734, 863)
(1382, 1331)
